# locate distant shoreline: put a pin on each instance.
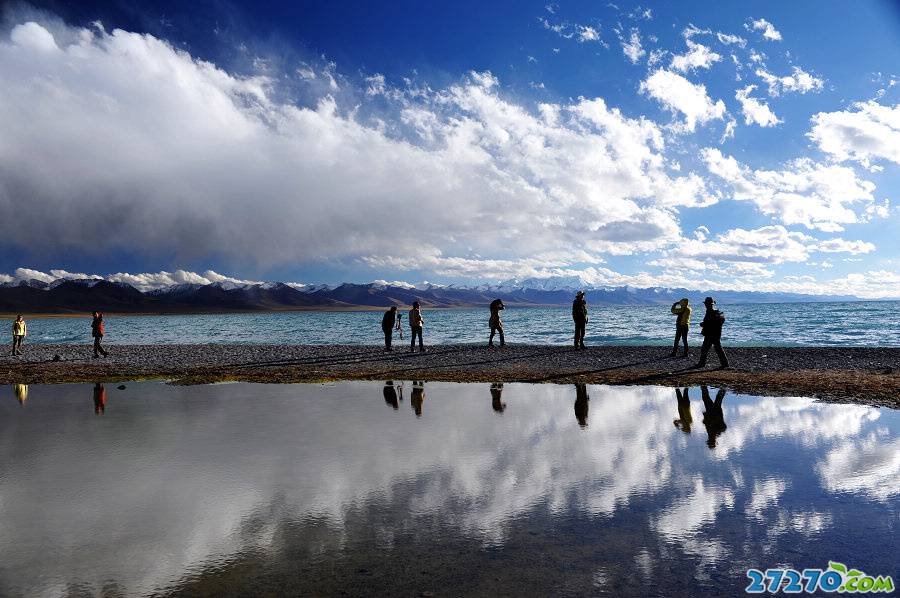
(856, 375)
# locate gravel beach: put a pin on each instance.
(864, 375)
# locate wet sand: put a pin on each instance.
(863, 375)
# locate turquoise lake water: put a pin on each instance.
(410, 489)
(792, 324)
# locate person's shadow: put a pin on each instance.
(496, 394)
(390, 394)
(685, 419)
(581, 404)
(713, 418)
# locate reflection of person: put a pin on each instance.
(495, 323)
(685, 419)
(97, 331)
(417, 397)
(390, 394)
(713, 418)
(496, 393)
(416, 322)
(21, 392)
(682, 325)
(580, 317)
(19, 330)
(581, 404)
(99, 398)
(387, 326)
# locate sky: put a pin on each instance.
(705, 145)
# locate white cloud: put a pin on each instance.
(755, 111)
(376, 85)
(587, 34)
(799, 81)
(147, 281)
(677, 94)
(865, 132)
(632, 47)
(728, 39)
(815, 195)
(698, 56)
(196, 159)
(768, 30)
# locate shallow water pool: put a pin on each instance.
(446, 489)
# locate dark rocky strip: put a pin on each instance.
(864, 375)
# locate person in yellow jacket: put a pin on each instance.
(19, 330)
(416, 322)
(682, 324)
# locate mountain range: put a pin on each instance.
(86, 295)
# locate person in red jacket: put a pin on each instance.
(97, 331)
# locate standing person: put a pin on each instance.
(580, 316)
(390, 394)
(417, 398)
(582, 402)
(495, 323)
(682, 324)
(387, 326)
(416, 322)
(97, 331)
(685, 419)
(19, 330)
(711, 329)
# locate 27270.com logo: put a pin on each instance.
(836, 578)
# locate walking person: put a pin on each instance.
(495, 323)
(19, 330)
(580, 317)
(387, 326)
(682, 324)
(97, 331)
(711, 329)
(416, 322)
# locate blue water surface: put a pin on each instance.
(786, 324)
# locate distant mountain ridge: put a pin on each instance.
(85, 295)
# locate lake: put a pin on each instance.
(428, 488)
(860, 324)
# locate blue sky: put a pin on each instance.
(708, 145)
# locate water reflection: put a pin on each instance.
(581, 404)
(417, 397)
(99, 399)
(713, 417)
(321, 490)
(21, 393)
(390, 394)
(685, 419)
(496, 394)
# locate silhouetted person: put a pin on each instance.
(416, 323)
(99, 398)
(417, 397)
(97, 331)
(495, 323)
(682, 325)
(387, 326)
(21, 392)
(581, 404)
(580, 317)
(685, 419)
(711, 329)
(19, 330)
(496, 394)
(390, 394)
(399, 327)
(713, 418)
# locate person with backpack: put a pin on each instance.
(387, 326)
(19, 330)
(711, 329)
(682, 325)
(495, 323)
(416, 322)
(580, 317)
(97, 331)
